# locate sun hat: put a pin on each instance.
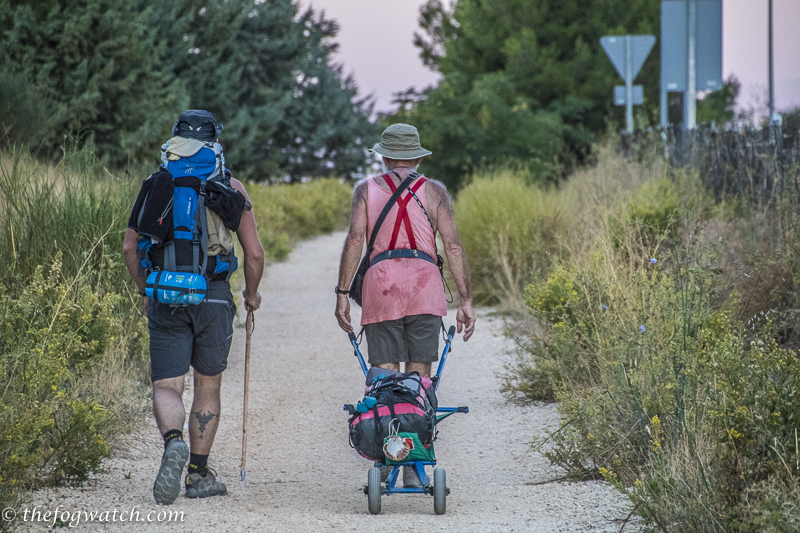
(400, 141)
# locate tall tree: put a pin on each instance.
(120, 71)
(523, 80)
(265, 71)
(95, 63)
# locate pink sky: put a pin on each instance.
(376, 46)
(744, 49)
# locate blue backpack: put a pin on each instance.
(171, 219)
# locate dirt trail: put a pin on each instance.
(301, 473)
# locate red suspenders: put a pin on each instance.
(402, 213)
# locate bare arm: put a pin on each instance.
(351, 254)
(253, 253)
(438, 198)
(129, 248)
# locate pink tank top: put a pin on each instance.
(394, 288)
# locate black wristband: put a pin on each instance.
(340, 291)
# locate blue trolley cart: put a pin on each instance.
(438, 489)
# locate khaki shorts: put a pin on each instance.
(413, 338)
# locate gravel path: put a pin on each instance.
(301, 473)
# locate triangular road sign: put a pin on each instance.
(640, 49)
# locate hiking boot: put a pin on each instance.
(411, 478)
(204, 485)
(168, 481)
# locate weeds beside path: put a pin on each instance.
(666, 327)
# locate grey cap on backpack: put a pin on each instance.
(197, 124)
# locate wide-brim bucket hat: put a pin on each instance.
(400, 141)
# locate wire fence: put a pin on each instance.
(758, 164)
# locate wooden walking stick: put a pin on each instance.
(249, 328)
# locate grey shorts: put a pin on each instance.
(413, 338)
(197, 335)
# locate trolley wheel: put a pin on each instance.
(439, 490)
(374, 490)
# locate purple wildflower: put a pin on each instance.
(654, 261)
(641, 329)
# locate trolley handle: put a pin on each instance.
(357, 352)
(450, 334)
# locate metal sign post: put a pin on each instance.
(628, 53)
(690, 95)
(628, 86)
(691, 32)
(772, 117)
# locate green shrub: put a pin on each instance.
(666, 333)
(772, 507)
(527, 381)
(59, 419)
(287, 213)
(653, 209)
(664, 393)
(72, 347)
(508, 229)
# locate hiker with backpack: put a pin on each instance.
(179, 251)
(399, 283)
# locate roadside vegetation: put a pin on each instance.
(289, 213)
(655, 300)
(72, 351)
(74, 366)
(663, 320)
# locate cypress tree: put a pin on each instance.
(95, 63)
(117, 73)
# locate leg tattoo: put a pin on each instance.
(203, 420)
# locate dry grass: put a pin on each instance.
(512, 231)
(665, 329)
